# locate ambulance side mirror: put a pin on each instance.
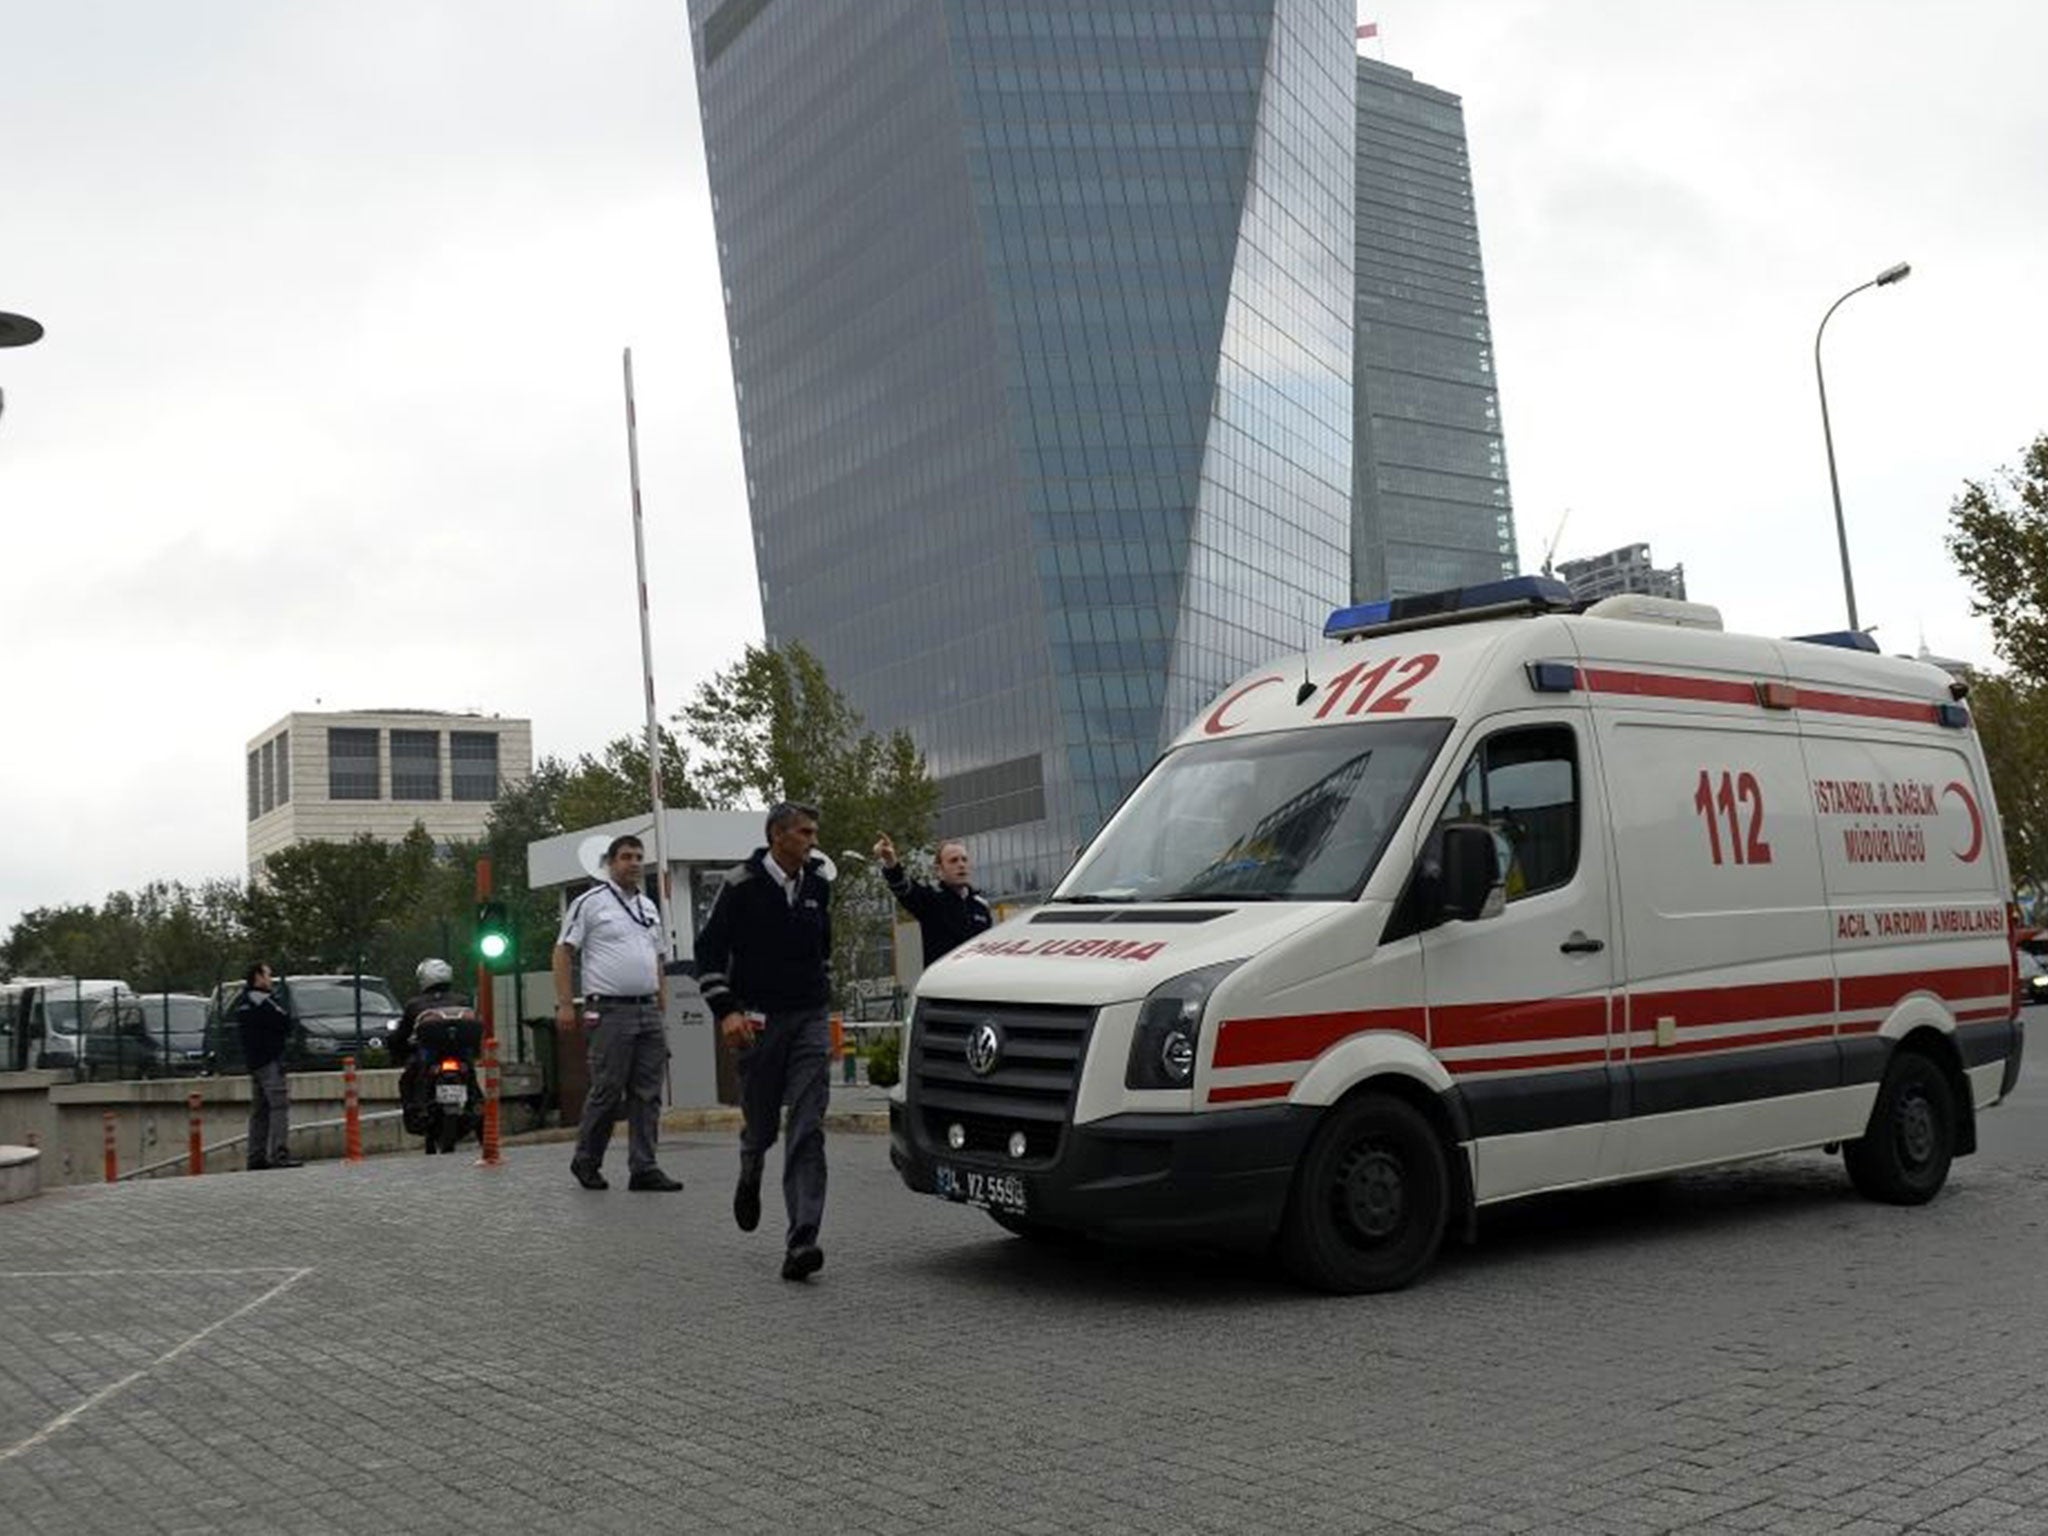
(1469, 886)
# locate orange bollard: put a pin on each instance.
(107, 1146)
(351, 1113)
(838, 1035)
(195, 1135)
(490, 1158)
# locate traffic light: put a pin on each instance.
(493, 932)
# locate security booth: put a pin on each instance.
(701, 846)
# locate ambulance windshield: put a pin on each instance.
(1293, 816)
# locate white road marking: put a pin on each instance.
(56, 1425)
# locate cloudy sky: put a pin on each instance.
(328, 414)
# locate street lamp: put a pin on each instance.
(1889, 275)
(16, 331)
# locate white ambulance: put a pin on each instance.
(1494, 897)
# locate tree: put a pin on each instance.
(2011, 716)
(774, 728)
(1999, 540)
(167, 936)
(612, 785)
(325, 904)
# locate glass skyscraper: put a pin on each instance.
(1432, 508)
(1041, 322)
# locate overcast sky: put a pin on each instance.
(328, 414)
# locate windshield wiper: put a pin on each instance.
(1223, 897)
(1093, 899)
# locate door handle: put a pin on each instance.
(1579, 944)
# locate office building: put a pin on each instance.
(1041, 325)
(1628, 569)
(1432, 508)
(329, 777)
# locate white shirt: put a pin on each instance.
(618, 940)
(790, 884)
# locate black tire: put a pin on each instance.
(1371, 1199)
(448, 1130)
(1903, 1155)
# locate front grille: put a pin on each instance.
(1031, 1088)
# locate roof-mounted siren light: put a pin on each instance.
(1842, 639)
(1642, 608)
(1455, 605)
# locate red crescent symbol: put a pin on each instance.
(1976, 822)
(1216, 725)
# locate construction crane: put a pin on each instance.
(1556, 533)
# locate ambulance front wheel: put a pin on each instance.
(1371, 1198)
(1903, 1155)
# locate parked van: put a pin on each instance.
(150, 1034)
(42, 1019)
(1494, 897)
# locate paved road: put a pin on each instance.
(421, 1345)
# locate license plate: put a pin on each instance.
(454, 1095)
(970, 1186)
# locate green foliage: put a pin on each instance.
(2011, 716)
(1999, 540)
(774, 728)
(168, 936)
(885, 1059)
(321, 906)
(612, 785)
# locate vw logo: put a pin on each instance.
(984, 1048)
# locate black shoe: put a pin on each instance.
(653, 1178)
(587, 1174)
(287, 1161)
(255, 1165)
(746, 1204)
(803, 1261)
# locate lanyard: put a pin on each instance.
(631, 910)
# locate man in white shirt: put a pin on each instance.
(615, 933)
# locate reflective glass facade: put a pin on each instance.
(1432, 507)
(1040, 316)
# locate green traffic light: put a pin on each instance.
(492, 946)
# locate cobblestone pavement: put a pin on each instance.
(423, 1345)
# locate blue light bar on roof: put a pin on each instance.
(1457, 605)
(1847, 639)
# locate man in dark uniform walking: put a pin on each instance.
(764, 962)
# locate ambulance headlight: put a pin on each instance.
(1169, 1033)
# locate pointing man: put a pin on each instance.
(764, 962)
(616, 932)
(949, 913)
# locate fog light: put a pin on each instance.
(956, 1136)
(1017, 1144)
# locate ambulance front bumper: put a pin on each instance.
(1218, 1178)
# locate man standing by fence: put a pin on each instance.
(764, 962)
(266, 1032)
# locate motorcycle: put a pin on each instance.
(443, 1101)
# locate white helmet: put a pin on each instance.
(434, 973)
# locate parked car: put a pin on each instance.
(324, 1016)
(2033, 978)
(150, 1034)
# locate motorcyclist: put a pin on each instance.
(436, 980)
